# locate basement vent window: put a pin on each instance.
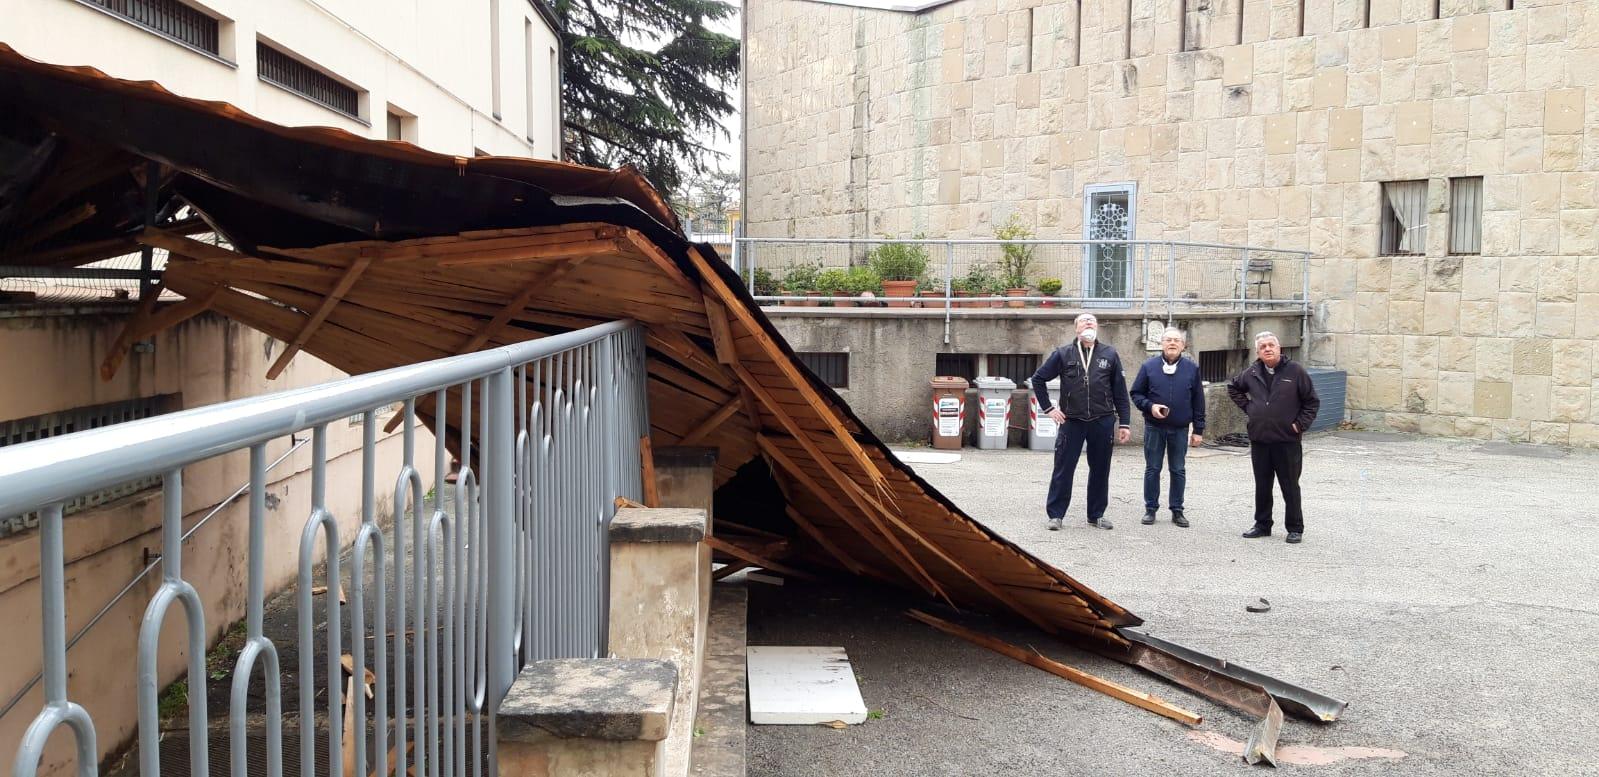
(1220, 366)
(1016, 366)
(170, 19)
(39, 427)
(959, 365)
(832, 368)
(278, 68)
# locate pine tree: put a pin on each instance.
(642, 80)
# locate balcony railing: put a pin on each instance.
(444, 605)
(1159, 278)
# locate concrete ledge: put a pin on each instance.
(590, 698)
(658, 524)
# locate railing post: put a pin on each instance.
(500, 511)
(949, 276)
(1171, 280)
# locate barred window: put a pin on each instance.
(168, 18)
(1220, 366)
(277, 67)
(1016, 366)
(1465, 215)
(832, 368)
(959, 365)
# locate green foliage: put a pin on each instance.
(1015, 259)
(860, 280)
(874, 715)
(641, 80)
(765, 283)
(959, 284)
(831, 282)
(1049, 286)
(174, 700)
(981, 280)
(899, 261)
(801, 277)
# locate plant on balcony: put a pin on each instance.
(980, 281)
(765, 283)
(832, 283)
(862, 282)
(800, 279)
(931, 288)
(1016, 259)
(1049, 287)
(900, 265)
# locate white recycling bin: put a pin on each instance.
(993, 412)
(1041, 429)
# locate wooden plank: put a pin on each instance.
(664, 263)
(518, 303)
(737, 566)
(145, 323)
(704, 428)
(721, 335)
(624, 502)
(826, 543)
(652, 496)
(184, 246)
(1033, 658)
(349, 278)
(742, 554)
(533, 253)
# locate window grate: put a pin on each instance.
(1218, 366)
(279, 68)
(40, 427)
(1018, 367)
(958, 365)
(832, 368)
(170, 18)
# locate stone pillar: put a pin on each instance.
(587, 717)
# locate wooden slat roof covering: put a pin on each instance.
(372, 254)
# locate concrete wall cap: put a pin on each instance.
(617, 699)
(658, 524)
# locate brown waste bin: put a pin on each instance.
(949, 411)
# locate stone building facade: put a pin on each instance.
(1280, 123)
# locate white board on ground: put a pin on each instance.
(927, 457)
(803, 686)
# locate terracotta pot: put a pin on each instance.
(1019, 292)
(813, 301)
(784, 293)
(995, 303)
(897, 291)
(958, 295)
(934, 299)
(843, 303)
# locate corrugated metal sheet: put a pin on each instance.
(1333, 388)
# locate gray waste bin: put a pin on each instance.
(993, 411)
(1041, 429)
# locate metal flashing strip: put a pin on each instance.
(1302, 702)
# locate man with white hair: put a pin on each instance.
(1093, 407)
(1280, 401)
(1171, 396)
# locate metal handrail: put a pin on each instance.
(55, 469)
(1031, 241)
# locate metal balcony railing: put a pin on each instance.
(443, 605)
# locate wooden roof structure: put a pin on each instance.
(372, 254)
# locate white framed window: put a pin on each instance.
(1465, 215)
(1404, 219)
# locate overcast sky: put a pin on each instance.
(730, 145)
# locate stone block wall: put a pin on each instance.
(866, 123)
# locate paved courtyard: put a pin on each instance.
(1446, 589)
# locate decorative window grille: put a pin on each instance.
(39, 427)
(1404, 218)
(832, 368)
(276, 67)
(1465, 215)
(168, 18)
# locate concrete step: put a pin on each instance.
(720, 727)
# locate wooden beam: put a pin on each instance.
(711, 424)
(1033, 658)
(661, 261)
(716, 543)
(624, 502)
(652, 494)
(520, 302)
(351, 275)
(146, 321)
(721, 334)
(184, 246)
(822, 539)
(52, 227)
(729, 569)
(571, 250)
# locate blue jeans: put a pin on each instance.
(1172, 445)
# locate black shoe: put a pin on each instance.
(1256, 531)
(1149, 518)
(1294, 537)
(1177, 518)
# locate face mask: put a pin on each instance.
(1090, 335)
(1168, 368)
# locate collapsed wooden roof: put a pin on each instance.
(372, 254)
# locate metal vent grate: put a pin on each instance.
(39, 427)
(1332, 388)
(279, 68)
(1018, 367)
(959, 365)
(832, 368)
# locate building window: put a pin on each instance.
(957, 365)
(1465, 215)
(1404, 218)
(494, 54)
(39, 427)
(277, 67)
(832, 368)
(169, 19)
(1221, 366)
(400, 125)
(1016, 366)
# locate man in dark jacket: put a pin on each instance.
(1171, 396)
(1093, 406)
(1281, 402)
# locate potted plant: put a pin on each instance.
(800, 279)
(899, 265)
(831, 283)
(1016, 259)
(960, 288)
(1049, 287)
(862, 282)
(765, 284)
(929, 288)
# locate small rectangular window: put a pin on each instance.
(1465, 215)
(958, 365)
(1220, 366)
(1016, 366)
(832, 368)
(168, 18)
(278, 67)
(1404, 218)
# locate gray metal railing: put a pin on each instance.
(517, 571)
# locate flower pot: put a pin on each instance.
(960, 294)
(1016, 292)
(843, 303)
(783, 293)
(993, 303)
(931, 296)
(898, 292)
(813, 301)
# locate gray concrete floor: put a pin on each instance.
(1445, 588)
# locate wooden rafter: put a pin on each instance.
(349, 278)
(185, 246)
(721, 333)
(555, 251)
(146, 321)
(704, 428)
(743, 554)
(542, 282)
(661, 261)
(821, 538)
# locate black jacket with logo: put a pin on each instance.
(1103, 392)
(1275, 403)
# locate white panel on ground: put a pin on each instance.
(803, 686)
(926, 457)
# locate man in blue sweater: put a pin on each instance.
(1171, 396)
(1093, 407)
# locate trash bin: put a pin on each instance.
(949, 411)
(1041, 429)
(993, 411)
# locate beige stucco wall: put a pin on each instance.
(863, 123)
(430, 59)
(207, 360)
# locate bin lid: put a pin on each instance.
(949, 382)
(996, 384)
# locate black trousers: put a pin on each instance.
(1098, 434)
(1282, 461)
